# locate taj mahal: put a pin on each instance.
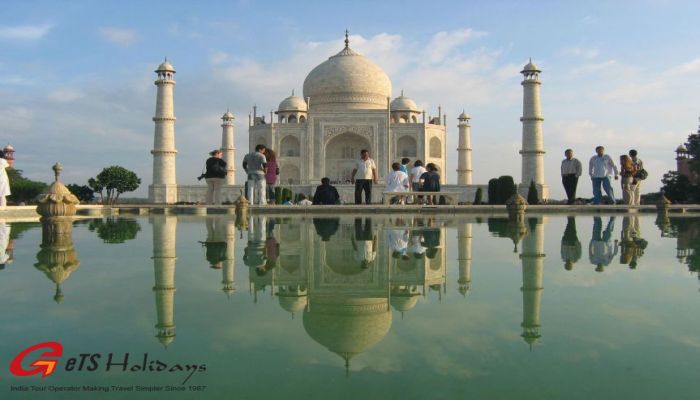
(346, 106)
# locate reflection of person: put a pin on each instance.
(215, 175)
(631, 245)
(255, 165)
(326, 193)
(254, 254)
(364, 242)
(398, 242)
(326, 227)
(272, 250)
(5, 245)
(417, 247)
(215, 244)
(4, 180)
(570, 245)
(431, 239)
(600, 250)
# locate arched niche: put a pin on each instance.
(290, 147)
(341, 153)
(406, 146)
(435, 148)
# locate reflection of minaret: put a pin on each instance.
(164, 259)
(532, 258)
(464, 256)
(230, 263)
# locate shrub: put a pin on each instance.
(23, 189)
(532, 195)
(492, 191)
(505, 189)
(478, 196)
(115, 180)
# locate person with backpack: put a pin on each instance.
(640, 175)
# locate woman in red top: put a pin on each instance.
(272, 174)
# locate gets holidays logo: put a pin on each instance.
(46, 362)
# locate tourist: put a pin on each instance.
(214, 175)
(640, 175)
(255, 254)
(430, 182)
(366, 170)
(404, 165)
(303, 201)
(628, 181)
(5, 245)
(255, 165)
(570, 171)
(631, 245)
(600, 251)
(570, 245)
(397, 181)
(397, 238)
(415, 175)
(272, 174)
(364, 243)
(600, 167)
(326, 194)
(4, 180)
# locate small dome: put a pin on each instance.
(404, 303)
(463, 116)
(530, 67)
(293, 304)
(165, 66)
(347, 80)
(293, 103)
(403, 103)
(681, 149)
(228, 115)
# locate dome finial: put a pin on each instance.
(347, 41)
(292, 92)
(401, 92)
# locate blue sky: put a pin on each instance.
(76, 80)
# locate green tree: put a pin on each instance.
(505, 189)
(677, 187)
(83, 193)
(532, 196)
(23, 189)
(114, 180)
(493, 191)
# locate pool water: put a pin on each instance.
(405, 307)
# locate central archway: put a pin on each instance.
(341, 153)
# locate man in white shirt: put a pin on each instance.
(397, 181)
(366, 172)
(600, 168)
(570, 171)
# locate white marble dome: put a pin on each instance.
(165, 66)
(403, 103)
(347, 80)
(292, 103)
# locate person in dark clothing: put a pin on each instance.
(215, 175)
(326, 193)
(570, 245)
(430, 182)
(326, 227)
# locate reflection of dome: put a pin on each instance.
(347, 80)
(403, 103)
(404, 303)
(347, 326)
(292, 103)
(293, 304)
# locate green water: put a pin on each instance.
(386, 308)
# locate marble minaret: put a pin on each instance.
(532, 151)
(164, 187)
(464, 257)
(228, 147)
(164, 260)
(532, 258)
(464, 151)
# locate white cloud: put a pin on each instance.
(579, 52)
(442, 43)
(122, 37)
(64, 95)
(218, 57)
(24, 32)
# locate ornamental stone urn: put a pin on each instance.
(57, 201)
(663, 204)
(516, 206)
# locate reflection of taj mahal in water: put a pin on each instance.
(346, 106)
(345, 278)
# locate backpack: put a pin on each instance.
(642, 174)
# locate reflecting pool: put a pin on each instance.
(405, 307)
